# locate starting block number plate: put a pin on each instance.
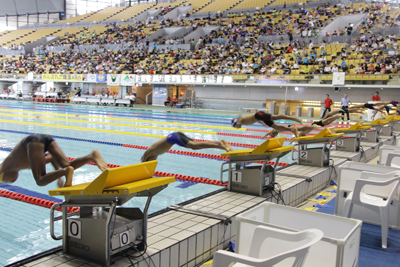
(74, 228)
(339, 142)
(124, 238)
(303, 154)
(236, 176)
(364, 134)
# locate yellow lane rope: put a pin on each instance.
(120, 119)
(82, 128)
(109, 123)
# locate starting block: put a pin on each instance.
(373, 136)
(396, 123)
(316, 156)
(351, 143)
(100, 228)
(391, 121)
(254, 180)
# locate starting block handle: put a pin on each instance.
(52, 219)
(222, 172)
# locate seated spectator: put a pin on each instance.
(167, 101)
(346, 69)
(335, 68)
(377, 69)
(388, 69)
(306, 70)
(327, 69)
(371, 68)
(174, 102)
(359, 69)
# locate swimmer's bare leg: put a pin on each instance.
(285, 117)
(330, 114)
(37, 164)
(358, 106)
(209, 144)
(49, 159)
(62, 160)
(68, 175)
(329, 120)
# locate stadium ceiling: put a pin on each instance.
(24, 7)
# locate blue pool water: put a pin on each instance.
(24, 228)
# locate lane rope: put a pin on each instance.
(120, 119)
(113, 131)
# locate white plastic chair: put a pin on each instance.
(379, 204)
(270, 246)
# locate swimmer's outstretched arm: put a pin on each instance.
(272, 133)
(284, 128)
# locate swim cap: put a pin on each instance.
(234, 122)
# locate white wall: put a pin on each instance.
(341, 22)
(231, 98)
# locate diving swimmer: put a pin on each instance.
(303, 130)
(29, 153)
(178, 138)
(268, 120)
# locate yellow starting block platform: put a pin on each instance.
(377, 122)
(325, 136)
(358, 127)
(101, 229)
(351, 143)
(316, 156)
(268, 150)
(255, 179)
(392, 124)
(377, 127)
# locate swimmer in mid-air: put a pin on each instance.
(29, 153)
(178, 138)
(342, 111)
(303, 130)
(268, 120)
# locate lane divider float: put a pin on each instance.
(121, 119)
(171, 151)
(111, 131)
(33, 200)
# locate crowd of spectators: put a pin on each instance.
(226, 55)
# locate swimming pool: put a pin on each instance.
(24, 228)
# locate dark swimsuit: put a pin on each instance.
(178, 138)
(46, 140)
(318, 123)
(264, 117)
(370, 106)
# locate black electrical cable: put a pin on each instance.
(129, 258)
(112, 232)
(140, 255)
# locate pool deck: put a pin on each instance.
(189, 234)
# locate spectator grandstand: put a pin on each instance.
(262, 40)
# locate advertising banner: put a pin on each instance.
(62, 77)
(113, 79)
